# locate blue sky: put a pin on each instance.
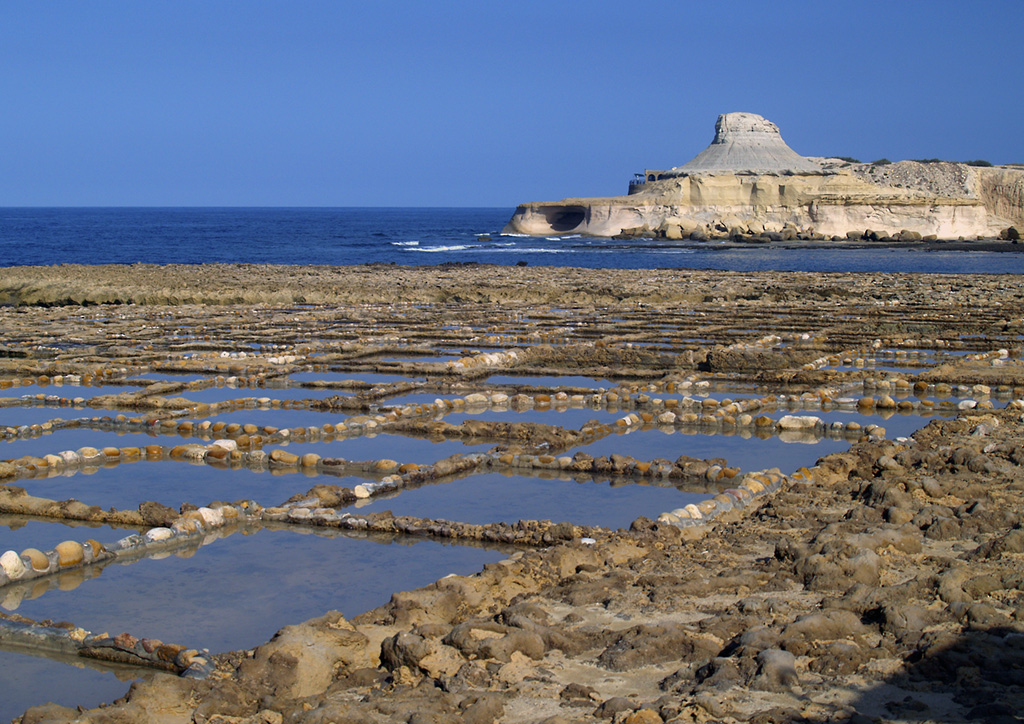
(410, 103)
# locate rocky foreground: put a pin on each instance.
(884, 584)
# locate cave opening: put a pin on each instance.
(565, 218)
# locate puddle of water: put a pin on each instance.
(555, 381)
(18, 533)
(170, 483)
(569, 418)
(170, 377)
(895, 424)
(28, 680)
(705, 393)
(911, 369)
(238, 591)
(17, 416)
(748, 453)
(221, 394)
(393, 447)
(416, 399)
(495, 497)
(72, 391)
(416, 360)
(373, 378)
(279, 418)
(76, 438)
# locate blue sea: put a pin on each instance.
(415, 236)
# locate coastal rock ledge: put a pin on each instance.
(749, 185)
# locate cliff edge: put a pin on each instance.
(748, 183)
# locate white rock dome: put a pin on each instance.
(747, 143)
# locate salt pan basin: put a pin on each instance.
(496, 497)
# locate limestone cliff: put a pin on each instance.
(748, 182)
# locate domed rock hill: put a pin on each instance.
(748, 184)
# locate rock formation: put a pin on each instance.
(748, 184)
(747, 143)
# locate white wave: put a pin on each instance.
(518, 236)
(527, 250)
(405, 243)
(454, 247)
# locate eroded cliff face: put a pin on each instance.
(831, 204)
(1002, 192)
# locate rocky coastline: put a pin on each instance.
(749, 186)
(883, 584)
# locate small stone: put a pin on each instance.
(283, 457)
(309, 460)
(96, 546)
(169, 652)
(362, 491)
(211, 518)
(799, 422)
(643, 716)
(156, 535)
(215, 452)
(613, 706)
(777, 670)
(69, 553)
(36, 559)
(12, 565)
(125, 641)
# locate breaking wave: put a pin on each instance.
(453, 247)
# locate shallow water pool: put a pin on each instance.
(570, 418)
(171, 483)
(373, 378)
(496, 497)
(19, 532)
(33, 415)
(171, 377)
(70, 392)
(237, 591)
(276, 417)
(385, 446)
(224, 394)
(748, 454)
(552, 381)
(28, 679)
(76, 438)
(896, 424)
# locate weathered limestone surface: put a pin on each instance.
(749, 180)
(747, 143)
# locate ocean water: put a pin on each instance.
(415, 236)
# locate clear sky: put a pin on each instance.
(476, 103)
